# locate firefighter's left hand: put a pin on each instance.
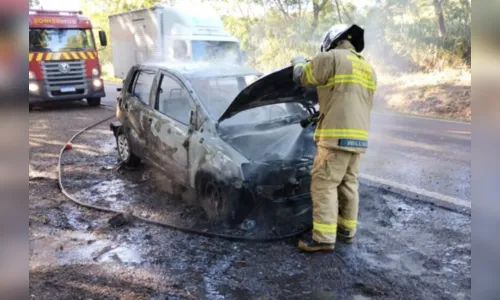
(298, 60)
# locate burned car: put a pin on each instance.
(229, 133)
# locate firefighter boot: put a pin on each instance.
(345, 235)
(313, 246)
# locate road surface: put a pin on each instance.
(428, 154)
(422, 153)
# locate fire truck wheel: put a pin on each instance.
(94, 101)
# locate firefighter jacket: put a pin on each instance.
(346, 85)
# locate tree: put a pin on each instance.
(438, 6)
(318, 7)
(338, 10)
(288, 9)
(466, 6)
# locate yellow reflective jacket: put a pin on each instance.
(346, 86)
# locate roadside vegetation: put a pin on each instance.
(421, 48)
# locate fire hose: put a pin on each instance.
(149, 221)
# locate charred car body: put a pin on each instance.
(229, 133)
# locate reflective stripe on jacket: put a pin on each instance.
(346, 86)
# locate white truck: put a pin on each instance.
(170, 34)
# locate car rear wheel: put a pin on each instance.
(94, 102)
(124, 150)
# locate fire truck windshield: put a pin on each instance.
(215, 51)
(55, 40)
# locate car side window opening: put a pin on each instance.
(173, 100)
(143, 84)
(130, 88)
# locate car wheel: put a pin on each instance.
(94, 102)
(124, 150)
(220, 201)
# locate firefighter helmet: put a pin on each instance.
(352, 33)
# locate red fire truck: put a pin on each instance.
(63, 60)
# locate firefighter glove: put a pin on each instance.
(298, 60)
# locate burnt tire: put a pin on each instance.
(221, 202)
(124, 151)
(93, 102)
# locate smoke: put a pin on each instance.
(272, 144)
(377, 50)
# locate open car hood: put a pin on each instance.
(273, 88)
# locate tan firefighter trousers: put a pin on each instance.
(334, 191)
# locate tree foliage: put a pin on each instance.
(287, 28)
(401, 35)
(420, 34)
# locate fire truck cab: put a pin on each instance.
(63, 60)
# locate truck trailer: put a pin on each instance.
(170, 34)
(63, 60)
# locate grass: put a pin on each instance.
(445, 94)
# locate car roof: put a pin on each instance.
(204, 70)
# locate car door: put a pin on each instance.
(137, 104)
(169, 132)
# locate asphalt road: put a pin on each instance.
(428, 154)
(422, 153)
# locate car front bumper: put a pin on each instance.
(284, 195)
(43, 94)
(280, 182)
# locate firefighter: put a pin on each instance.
(346, 85)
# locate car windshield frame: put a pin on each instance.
(63, 44)
(272, 113)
